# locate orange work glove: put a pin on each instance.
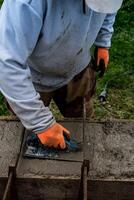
(101, 59)
(53, 136)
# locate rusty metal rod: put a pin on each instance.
(85, 184)
(8, 187)
(84, 122)
(83, 192)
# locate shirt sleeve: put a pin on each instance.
(105, 34)
(20, 26)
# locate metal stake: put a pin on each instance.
(85, 166)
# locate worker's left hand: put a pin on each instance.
(101, 59)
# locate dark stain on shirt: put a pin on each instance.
(63, 13)
(79, 51)
(64, 32)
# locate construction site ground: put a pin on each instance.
(110, 150)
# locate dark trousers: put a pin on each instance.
(69, 98)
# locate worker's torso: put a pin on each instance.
(63, 47)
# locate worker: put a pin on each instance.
(45, 54)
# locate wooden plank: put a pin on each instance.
(110, 190)
(9, 118)
(48, 189)
(67, 189)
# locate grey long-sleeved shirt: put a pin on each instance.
(43, 45)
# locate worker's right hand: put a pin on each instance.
(54, 136)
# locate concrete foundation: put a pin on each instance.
(110, 149)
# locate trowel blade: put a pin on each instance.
(34, 149)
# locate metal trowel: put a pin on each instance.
(34, 149)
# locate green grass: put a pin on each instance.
(121, 88)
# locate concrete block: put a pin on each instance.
(10, 140)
